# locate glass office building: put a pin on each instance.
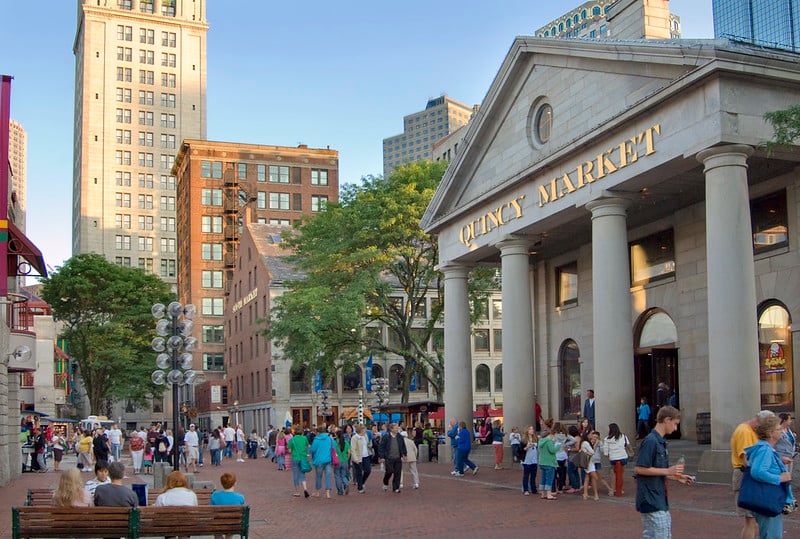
(770, 23)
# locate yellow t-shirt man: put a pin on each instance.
(744, 436)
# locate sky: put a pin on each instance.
(326, 74)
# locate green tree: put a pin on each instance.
(105, 310)
(785, 125)
(367, 261)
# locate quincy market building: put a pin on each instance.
(645, 235)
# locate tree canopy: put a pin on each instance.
(786, 126)
(367, 263)
(105, 310)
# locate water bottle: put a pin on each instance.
(682, 461)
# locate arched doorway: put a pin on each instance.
(656, 361)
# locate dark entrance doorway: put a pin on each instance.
(652, 369)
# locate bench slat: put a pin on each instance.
(71, 522)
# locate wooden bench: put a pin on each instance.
(203, 496)
(200, 520)
(38, 497)
(83, 522)
(93, 522)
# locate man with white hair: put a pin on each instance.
(743, 437)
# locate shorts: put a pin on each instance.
(193, 452)
(736, 485)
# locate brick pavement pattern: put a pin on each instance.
(445, 506)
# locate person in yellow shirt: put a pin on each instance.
(85, 452)
(743, 437)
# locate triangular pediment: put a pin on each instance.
(586, 84)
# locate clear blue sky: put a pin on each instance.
(338, 74)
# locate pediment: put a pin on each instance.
(586, 84)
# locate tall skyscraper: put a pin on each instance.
(770, 23)
(616, 19)
(140, 89)
(442, 116)
(18, 159)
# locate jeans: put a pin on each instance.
(769, 527)
(115, 452)
(361, 471)
(270, 454)
(320, 470)
(340, 474)
(228, 451)
(215, 460)
(200, 454)
(529, 478)
(297, 474)
(561, 475)
(462, 460)
(574, 476)
(546, 480)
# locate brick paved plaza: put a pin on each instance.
(489, 504)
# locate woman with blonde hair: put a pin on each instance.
(176, 492)
(70, 491)
(530, 461)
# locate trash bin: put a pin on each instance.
(140, 489)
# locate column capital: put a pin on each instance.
(729, 155)
(513, 245)
(608, 206)
(454, 270)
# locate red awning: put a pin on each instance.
(484, 412)
(437, 415)
(20, 246)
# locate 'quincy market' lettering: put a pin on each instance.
(614, 159)
(245, 300)
(490, 220)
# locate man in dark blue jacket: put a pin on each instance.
(392, 450)
(452, 433)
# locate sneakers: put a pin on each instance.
(455, 472)
(788, 508)
(385, 488)
(416, 486)
(475, 470)
(361, 491)
(397, 491)
(458, 474)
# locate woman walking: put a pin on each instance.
(614, 448)
(497, 444)
(341, 471)
(298, 447)
(591, 448)
(321, 449)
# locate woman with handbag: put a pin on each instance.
(769, 477)
(786, 447)
(322, 451)
(614, 447)
(591, 447)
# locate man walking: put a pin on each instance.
(392, 451)
(652, 470)
(191, 442)
(230, 434)
(115, 439)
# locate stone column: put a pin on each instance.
(518, 382)
(732, 325)
(611, 317)
(457, 351)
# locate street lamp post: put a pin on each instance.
(174, 361)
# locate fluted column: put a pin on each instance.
(732, 325)
(611, 316)
(457, 350)
(518, 382)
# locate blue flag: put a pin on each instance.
(318, 382)
(413, 386)
(369, 373)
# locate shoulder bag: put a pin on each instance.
(334, 454)
(762, 498)
(583, 460)
(629, 448)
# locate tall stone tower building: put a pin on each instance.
(18, 159)
(140, 89)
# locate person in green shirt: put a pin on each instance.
(548, 448)
(298, 448)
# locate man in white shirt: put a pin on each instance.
(115, 437)
(191, 441)
(239, 443)
(230, 434)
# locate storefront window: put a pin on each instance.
(569, 359)
(652, 258)
(769, 222)
(481, 378)
(775, 357)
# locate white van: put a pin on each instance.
(94, 421)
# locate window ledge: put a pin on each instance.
(771, 252)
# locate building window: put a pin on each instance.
(497, 309)
(168, 80)
(125, 4)
(124, 116)
(211, 197)
(168, 101)
(145, 97)
(168, 245)
(125, 33)
(211, 169)
(145, 138)
(123, 220)
(167, 182)
(167, 203)
(567, 284)
(167, 224)
(145, 118)
(145, 243)
(211, 224)
(123, 200)
(122, 242)
(211, 279)
(145, 202)
(146, 6)
(497, 338)
(211, 251)
(775, 355)
(124, 261)
(652, 258)
(261, 173)
(769, 221)
(124, 74)
(168, 59)
(145, 222)
(145, 159)
(166, 161)
(146, 36)
(261, 200)
(318, 202)
(168, 268)
(146, 264)
(481, 340)
(213, 361)
(299, 381)
(569, 363)
(168, 141)
(145, 180)
(123, 158)
(482, 378)
(212, 306)
(124, 95)
(279, 222)
(279, 201)
(168, 8)
(543, 123)
(352, 380)
(396, 377)
(213, 334)
(241, 171)
(319, 177)
(146, 77)
(146, 57)
(278, 174)
(169, 39)
(498, 378)
(168, 120)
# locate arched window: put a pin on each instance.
(352, 380)
(658, 329)
(377, 371)
(553, 31)
(569, 361)
(583, 14)
(561, 27)
(482, 378)
(775, 363)
(569, 23)
(300, 382)
(596, 11)
(396, 377)
(576, 19)
(498, 378)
